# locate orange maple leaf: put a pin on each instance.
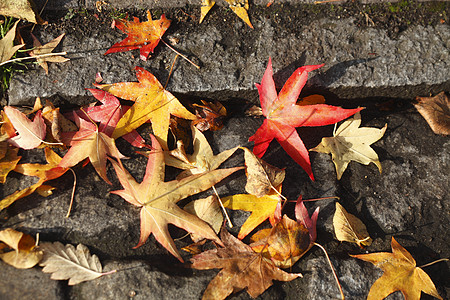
(141, 35)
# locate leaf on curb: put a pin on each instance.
(25, 254)
(66, 262)
(349, 228)
(351, 142)
(9, 161)
(40, 49)
(436, 111)
(141, 35)
(400, 274)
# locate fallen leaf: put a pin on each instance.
(239, 7)
(205, 8)
(349, 228)
(261, 176)
(283, 115)
(31, 134)
(144, 36)
(400, 274)
(66, 262)
(9, 160)
(56, 122)
(241, 268)
(109, 114)
(436, 111)
(285, 243)
(209, 116)
(45, 172)
(88, 142)
(25, 254)
(202, 159)
(39, 49)
(158, 199)
(21, 9)
(7, 48)
(208, 210)
(152, 102)
(351, 142)
(262, 208)
(7, 130)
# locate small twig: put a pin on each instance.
(32, 57)
(223, 208)
(332, 269)
(433, 262)
(198, 67)
(73, 192)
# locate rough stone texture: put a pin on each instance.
(358, 62)
(19, 284)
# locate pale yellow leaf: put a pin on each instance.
(349, 228)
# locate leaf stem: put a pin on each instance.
(433, 262)
(170, 47)
(73, 192)
(171, 69)
(223, 208)
(32, 57)
(332, 269)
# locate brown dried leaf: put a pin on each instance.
(9, 161)
(349, 228)
(7, 48)
(40, 49)
(436, 111)
(241, 268)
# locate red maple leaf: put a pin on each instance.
(109, 114)
(144, 36)
(283, 115)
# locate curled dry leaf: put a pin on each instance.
(284, 244)
(209, 116)
(25, 255)
(241, 268)
(40, 49)
(202, 159)
(351, 142)
(349, 228)
(66, 262)
(208, 210)
(400, 274)
(436, 111)
(261, 176)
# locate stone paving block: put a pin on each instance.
(358, 62)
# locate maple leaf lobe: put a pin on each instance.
(141, 35)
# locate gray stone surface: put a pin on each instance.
(358, 62)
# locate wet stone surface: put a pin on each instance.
(409, 200)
